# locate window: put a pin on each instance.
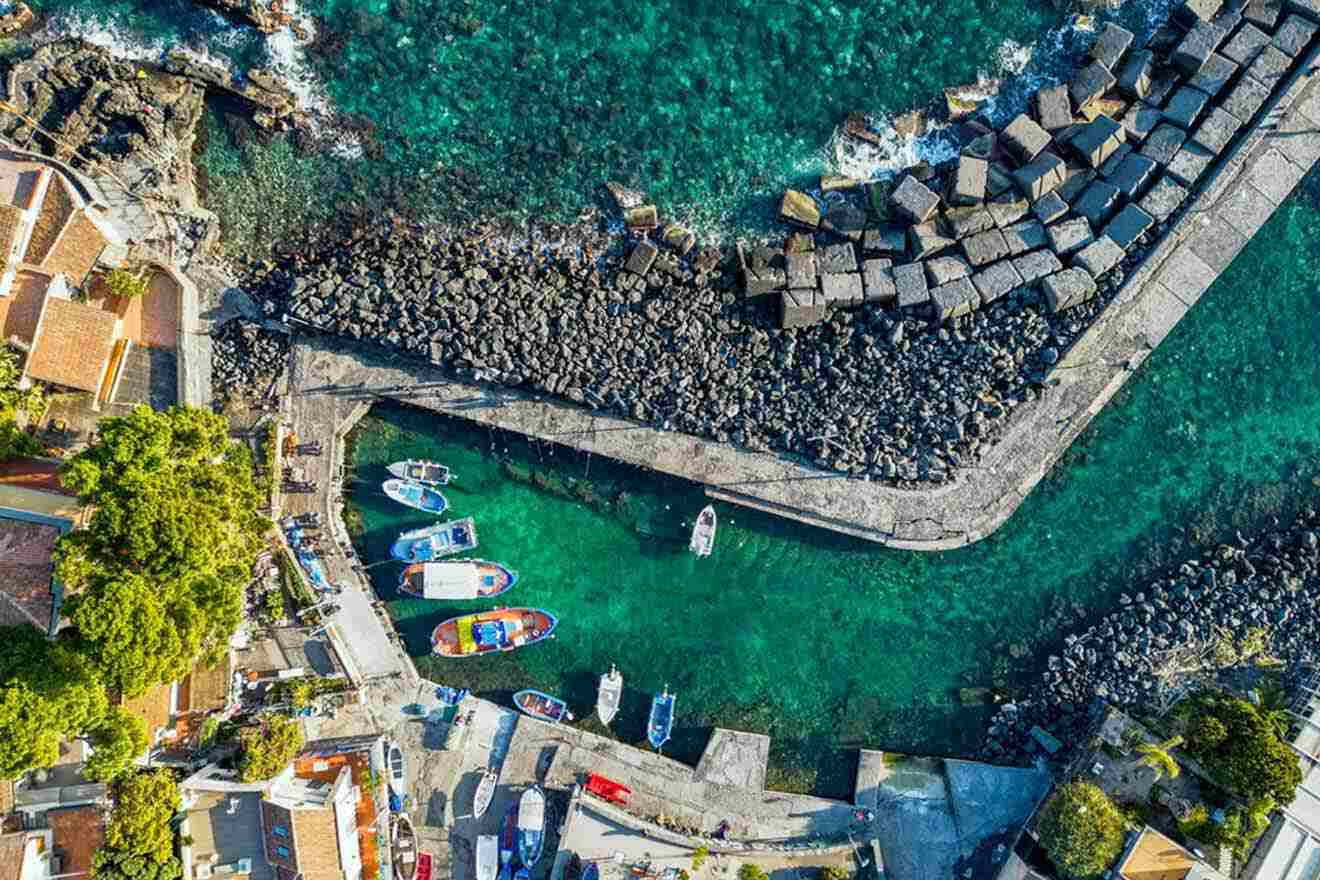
(283, 851)
(280, 831)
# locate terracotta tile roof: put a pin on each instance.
(25, 571)
(78, 832)
(72, 346)
(56, 209)
(206, 689)
(37, 474)
(10, 220)
(153, 707)
(20, 310)
(76, 250)
(11, 855)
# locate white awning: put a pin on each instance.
(459, 579)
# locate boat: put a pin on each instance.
(542, 706)
(428, 473)
(489, 632)
(485, 793)
(423, 865)
(451, 696)
(456, 580)
(398, 770)
(703, 533)
(433, 542)
(531, 825)
(403, 846)
(509, 836)
(662, 719)
(608, 695)
(523, 874)
(416, 495)
(487, 857)
(591, 872)
(607, 789)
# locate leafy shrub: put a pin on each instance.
(752, 872)
(1242, 751)
(125, 283)
(1081, 830)
(269, 747)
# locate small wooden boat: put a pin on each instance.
(398, 770)
(428, 473)
(531, 826)
(490, 632)
(608, 695)
(415, 495)
(662, 719)
(542, 706)
(703, 533)
(485, 793)
(433, 542)
(509, 835)
(403, 846)
(487, 857)
(456, 580)
(423, 865)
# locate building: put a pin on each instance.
(77, 833)
(25, 855)
(35, 510)
(225, 833)
(176, 712)
(1290, 848)
(1152, 856)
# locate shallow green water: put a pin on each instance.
(828, 642)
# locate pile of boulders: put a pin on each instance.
(1260, 596)
(245, 358)
(1055, 199)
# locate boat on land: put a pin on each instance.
(542, 706)
(591, 872)
(490, 632)
(428, 473)
(661, 724)
(451, 696)
(487, 857)
(608, 695)
(423, 865)
(454, 580)
(485, 793)
(433, 542)
(398, 770)
(403, 847)
(415, 495)
(703, 533)
(531, 825)
(509, 839)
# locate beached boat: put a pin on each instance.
(703, 533)
(591, 872)
(608, 695)
(415, 495)
(485, 793)
(523, 874)
(455, 580)
(433, 542)
(542, 706)
(509, 835)
(403, 846)
(398, 770)
(531, 825)
(487, 857)
(662, 719)
(423, 866)
(428, 473)
(451, 696)
(489, 632)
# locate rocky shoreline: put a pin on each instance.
(1240, 602)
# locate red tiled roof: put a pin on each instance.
(73, 345)
(20, 310)
(38, 474)
(78, 832)
(11, 855)
(76, 250)
(25, 571)
(56, 209)
(10, 219)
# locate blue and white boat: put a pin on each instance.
(542, 706)
(531, 826)
(662, 719)
(433, 542)
(415, 495)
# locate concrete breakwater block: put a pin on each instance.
(914, 201)
(1097, 140)
(1024, 139)
(1068, 288)
(954, 299)
(1042, 175)
(967, 186)
(799, 209)
(1099, 256)
(1053, 108)
(1134, 77)
(1109, 47)
(642, 257)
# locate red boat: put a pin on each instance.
(607, 789)
(424, 866)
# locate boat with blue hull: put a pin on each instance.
(437, 541)
(415, 495)
(661, 724)
(541, 706)
(490, 632)
(531, 826)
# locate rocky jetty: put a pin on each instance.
(245, 358)
(266, 16)
(273, 105)
(1238, 602)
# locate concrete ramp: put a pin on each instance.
(736, 758)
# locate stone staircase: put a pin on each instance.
(150, 376)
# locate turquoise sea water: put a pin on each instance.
(827, 642)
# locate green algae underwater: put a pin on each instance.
(828, 643)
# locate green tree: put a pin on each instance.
(116, 742)
(139, 840)
(48, 692)
(750, 871)
(269, 747)
(1249, 758)
(1159, 757)
(1081, 830)
(126, 283)
(699, 856)
(835, 872)
(13, 401)
(160, 570)
(1273, 707)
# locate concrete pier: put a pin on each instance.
(736, 758)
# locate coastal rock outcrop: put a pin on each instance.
(273, 105)
(267, 16)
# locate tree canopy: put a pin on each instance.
(1081, 830)
(1241, 749)
(47, 692)
(159, 572)
(139, 842)
(116, 741)
(15, 400)
(269, 747)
